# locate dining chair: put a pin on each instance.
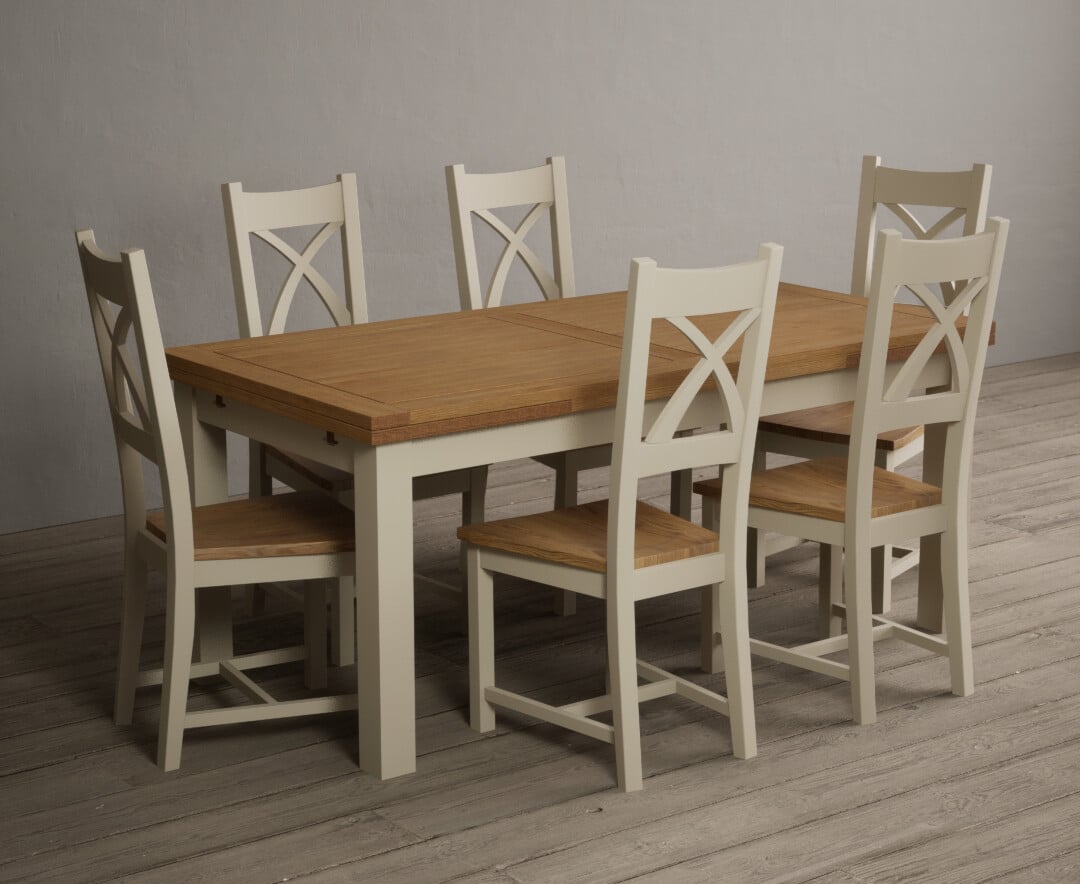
(854, 504)
(332, 209)
(543, 190)
(623, 550)
(825, 431)
(299, 536)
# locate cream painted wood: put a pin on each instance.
(650, 446)
(472, 194)
(334, 209)
(478, 194)
(221, 389)
(147, 427)
(475, 194)
(888, 401)
(965, 196)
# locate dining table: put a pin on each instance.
(395, 399)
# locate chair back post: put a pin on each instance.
(888, 399)
(561, 251)
(478, 194)
(141, 402)
(245, 289)
(646, 448)
(352, 249)
(960, 440)
(333, 207)
(965, 194)
(865, 225)
(468, 272)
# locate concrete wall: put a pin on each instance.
(692, 131)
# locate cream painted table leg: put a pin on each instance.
(204, 447)
(384, 609)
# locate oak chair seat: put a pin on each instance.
(832, 423)
(304, 523)
(818, 488)
(578, 536)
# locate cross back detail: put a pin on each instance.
(960, 196)
(303, 268)
(744, 291)
(944, 329)
(914, 267)
(516, 246)
(332, 208)
(474, 195)
(710, 365)
(113, 320)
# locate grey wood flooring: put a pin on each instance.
(985, 788)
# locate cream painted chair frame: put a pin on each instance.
(887, 398)
(543, 188)
(146, 425)
(966, 195)
(643, 448)
(333, 207)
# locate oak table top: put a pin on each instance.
(402, 379)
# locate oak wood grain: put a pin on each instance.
(832, 423)
(301, 523)
(818, 487)
(578, 536)
(402, 379)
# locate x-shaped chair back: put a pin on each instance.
(331, 207)
(964, 195)
(137, 386)
(473, 194)
(651, 446)
(890, 399)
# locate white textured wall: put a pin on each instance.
(692, 130)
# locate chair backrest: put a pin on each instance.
(647, 446)
(888, 399)
(137, 385)
(964, 194)
(478, 194)
(331, 206)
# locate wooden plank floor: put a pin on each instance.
(939, 789)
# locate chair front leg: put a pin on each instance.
(133, 612)
(622, 666)
(860, 633)
(957, 610)
(481, 604)
(179, 642)
(472, 509)
(735, 642)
